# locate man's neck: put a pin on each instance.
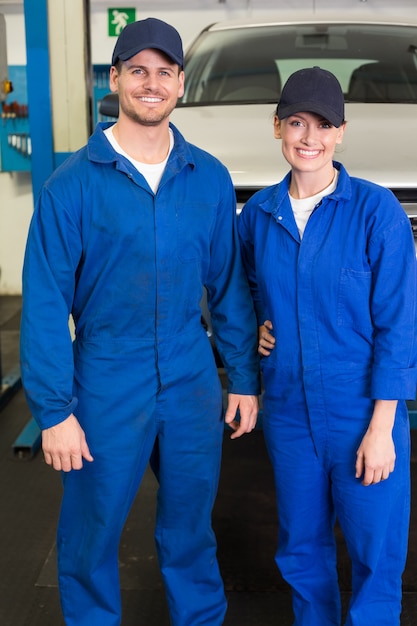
(147, 144)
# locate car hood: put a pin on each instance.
(380, 143)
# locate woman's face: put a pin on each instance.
(308, 141)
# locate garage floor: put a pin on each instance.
(244, 519)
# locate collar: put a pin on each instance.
(100, 150)
(277, 202)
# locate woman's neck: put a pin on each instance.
(307, 184)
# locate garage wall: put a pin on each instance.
(191, 16)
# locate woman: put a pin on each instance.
(331, 263)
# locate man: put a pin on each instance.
(124, 237)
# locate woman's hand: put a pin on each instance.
(265, 338)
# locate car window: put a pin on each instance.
(342, 68)
(373, 62)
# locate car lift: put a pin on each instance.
(28, 442)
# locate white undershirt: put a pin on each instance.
(152, 172)
(303, 208)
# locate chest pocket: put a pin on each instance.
(194, 228)
(353, 307)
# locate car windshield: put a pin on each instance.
(373, 62)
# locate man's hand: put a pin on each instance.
(248, 408)
(64, 445)
(265, 338)
(375, 459)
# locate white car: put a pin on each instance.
(233, 76)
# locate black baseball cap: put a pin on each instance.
(313, 90)
(148, 33)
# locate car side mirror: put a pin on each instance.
(109, 105)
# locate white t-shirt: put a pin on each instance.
(152, 172)
(303, 208)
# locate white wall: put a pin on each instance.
(188, 23)
(15, 212)
(16, 201)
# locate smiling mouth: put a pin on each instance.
(308, 153)
(151, 100)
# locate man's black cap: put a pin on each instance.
(148, 33)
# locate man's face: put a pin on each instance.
(149, 85)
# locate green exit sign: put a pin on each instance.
(118, 18)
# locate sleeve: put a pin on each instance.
(248, 259)
(230, 302)
(394, 308)
(52, 254)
